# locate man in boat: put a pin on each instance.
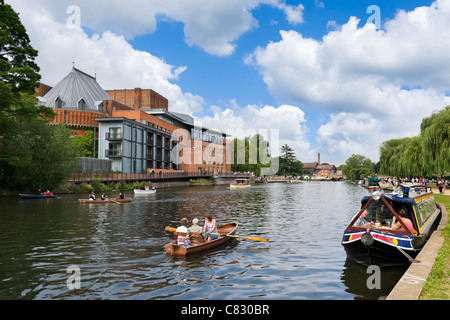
(196, 229)
(363, 222)
(121, 196)
(104, 197)
(182, 234)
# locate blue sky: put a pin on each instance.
(313, 70)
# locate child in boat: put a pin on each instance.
(183, 239)
(210, 227)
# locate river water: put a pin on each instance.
(118, 249)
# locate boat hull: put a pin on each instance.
(234, 187)
(383, 253)
(35, 196)
(104, 201)
(228, 229)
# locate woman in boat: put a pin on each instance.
(210, 227)
(396, 225)
(183, 239)
(92, 196)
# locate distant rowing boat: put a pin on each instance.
(105, 201)
(240, 184)
(144, 192)
(35, 196)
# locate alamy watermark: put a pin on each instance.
(74, 20)
(200, 147)
(74, 280)
(375, 17)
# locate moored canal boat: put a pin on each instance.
(199, 246)
(144, 192)
(370, 239)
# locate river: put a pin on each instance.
(118, 249)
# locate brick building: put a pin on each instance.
(140, 99)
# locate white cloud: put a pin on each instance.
(360, 75)
(214, 26)
(289, 122)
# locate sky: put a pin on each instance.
(330, 77)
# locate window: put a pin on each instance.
(59, 103)
(81, 104)
(115, 133)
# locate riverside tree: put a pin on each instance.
(33, 154)
(357, 167)
(289, 165)
(423, 155)
(250, 154)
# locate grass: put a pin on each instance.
(437, 286)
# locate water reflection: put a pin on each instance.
(120, 247)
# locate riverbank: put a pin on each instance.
(437, 286)
(429, 279)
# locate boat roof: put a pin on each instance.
(394, 198)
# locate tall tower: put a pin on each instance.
(318, 160)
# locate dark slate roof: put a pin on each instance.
(75, 86)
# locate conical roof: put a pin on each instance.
(77, 90)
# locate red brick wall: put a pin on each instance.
(137, 98)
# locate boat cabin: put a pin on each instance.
(379, 210)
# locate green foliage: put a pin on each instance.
(357, 167)
(38, 156)
(426, 154)
(86, 145)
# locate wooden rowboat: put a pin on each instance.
(227, 229)
(105, 201)
(240, 184)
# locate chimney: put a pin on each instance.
(319, 158)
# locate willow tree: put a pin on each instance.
(435, 132)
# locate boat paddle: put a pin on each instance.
(228, 235)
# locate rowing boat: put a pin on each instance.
(240, 184)
(105, 201)
(35, 196)
(199, 246)
(144, 192)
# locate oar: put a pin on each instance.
(115, 201)
(229, 235)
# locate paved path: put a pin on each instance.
(410, 285)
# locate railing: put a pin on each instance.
(114, 136)
(155, 175)
(113, 153)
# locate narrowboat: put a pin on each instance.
(240, 184)
(199, 246)
(370, 238)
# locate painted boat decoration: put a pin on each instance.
(36, 196)
(105, 201)
(370, 239)
(196, 247)
(144, 192)
(240, 184)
